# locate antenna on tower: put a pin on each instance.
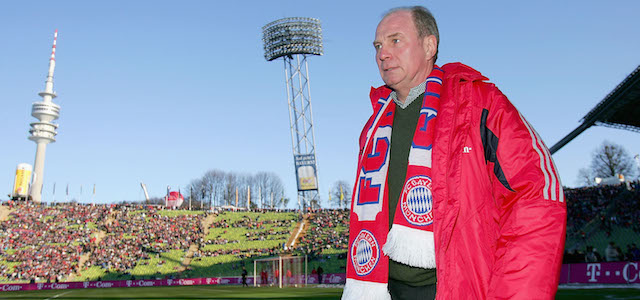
(52, 65)
(53, 49)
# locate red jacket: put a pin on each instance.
(499, 210)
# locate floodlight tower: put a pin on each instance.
(44, 131)
(294, 39)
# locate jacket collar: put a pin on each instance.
(453, 72)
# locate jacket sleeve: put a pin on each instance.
(530, 204)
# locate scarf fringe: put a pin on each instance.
(357, 289)
(411, 247)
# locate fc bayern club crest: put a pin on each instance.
(365, 253)
(417, 201)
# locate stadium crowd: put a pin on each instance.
(46, 242)
(587, 203)
(51, 242)
(135, 232)
(628, 212)
(612, 253)
(257, 230)
(606, 209)
(329, 230)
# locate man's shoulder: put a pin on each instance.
(458, 71)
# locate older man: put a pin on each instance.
(456, 193)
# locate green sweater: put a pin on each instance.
(404, 126)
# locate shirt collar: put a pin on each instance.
(414, 93)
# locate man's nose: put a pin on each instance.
(383, 54)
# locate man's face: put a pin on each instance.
(401, 56)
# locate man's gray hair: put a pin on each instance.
(423, 19)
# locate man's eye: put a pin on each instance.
(377, 46)
(395, 41)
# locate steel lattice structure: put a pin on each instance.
(294, 39)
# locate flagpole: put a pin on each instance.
(341, 197)
(260, 196)
(166, 198)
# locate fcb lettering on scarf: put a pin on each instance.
(410, 240)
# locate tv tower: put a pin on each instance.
(44, 131)
(294, 39)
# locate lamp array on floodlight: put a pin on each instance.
(291, 36)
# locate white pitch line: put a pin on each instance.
(216, 290)
(58, 295)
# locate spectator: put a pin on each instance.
(320, 272)
(244, 277)
(611, 253)
(592, 255)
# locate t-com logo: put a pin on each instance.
(630, 273)
(186, 282)
(8, 287)
(100, 284)
(365, 253)
(59, 286)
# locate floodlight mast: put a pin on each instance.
(294, 39)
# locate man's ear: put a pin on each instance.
(430, 46)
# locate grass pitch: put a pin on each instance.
(181, 292)
(236, 292)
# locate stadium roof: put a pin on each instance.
(619, 109)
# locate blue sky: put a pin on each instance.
(162, 91)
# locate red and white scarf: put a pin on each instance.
(410, 240)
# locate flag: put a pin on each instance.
(94, 188)
(54, 188)
(341, 194)
(67, 189)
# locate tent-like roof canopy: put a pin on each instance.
(619, 109)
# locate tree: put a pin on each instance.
(219, 188)
(215, 182)
(585, 178)
(270, 190)
(230, 185)
(197, 190)
(611, 159)
(340, 193)
(244, 182)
